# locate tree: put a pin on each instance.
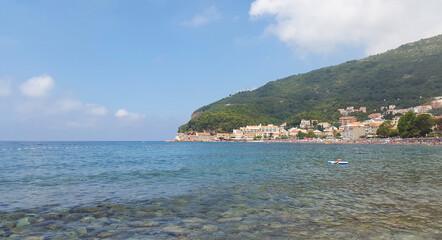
(438, 128)
(311, 134)
(301, 135)
(393, 133)
(406, 127)
(411, 126)
(384, 129)
(423, 123)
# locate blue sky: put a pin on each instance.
(136, 70)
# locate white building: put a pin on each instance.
(304, 123)
(324, 124)
(422, 109)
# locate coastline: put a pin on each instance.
(387, 141)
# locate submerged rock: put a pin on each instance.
(9, 224)
(81, 230)
(232, 213)
(193, 220)
(276, 225)
(88, 219)
(160, 213)
(14, 236)
(174, 229)
(23, 222)
(149, 223)
(35, 238)
(243, 227)
(105, 234)
(210, 228)
(232, 219)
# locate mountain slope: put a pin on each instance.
(411, 73)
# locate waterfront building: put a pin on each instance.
(331, 128)
(304, 123)
(375, 115)
(249, 136)
(402, 111)
(293, 131)
(238, 133)
(324, 125)
(343, 111)
(223, 136)
(346, 120)
(422, 109)
(354, 131)
(270, 129)
(204, 137)
(371, 128)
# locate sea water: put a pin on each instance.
(157, 190)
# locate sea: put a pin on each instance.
(159, 190)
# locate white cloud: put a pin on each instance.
(37, 86)
(124, 114)
(35, 114)
(70, 105)
(209, 15)
(96, 110)
(5, 87)
(378, 25)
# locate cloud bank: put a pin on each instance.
(377, 25)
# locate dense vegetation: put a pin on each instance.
(227, 119)
(411, 125)
(386, 130)
(407, 76)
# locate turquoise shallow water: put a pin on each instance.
(156, 190)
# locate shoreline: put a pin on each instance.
(395, 141)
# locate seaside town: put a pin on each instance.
(348, 130)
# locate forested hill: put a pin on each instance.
(406, 76)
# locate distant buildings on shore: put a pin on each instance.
(350, 110)
(349, 127)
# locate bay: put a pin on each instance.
(158, 190)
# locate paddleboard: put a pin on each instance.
(339, 163)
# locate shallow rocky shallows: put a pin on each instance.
(209, 217)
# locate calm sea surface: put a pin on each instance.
(157, 190)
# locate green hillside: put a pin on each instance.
(411, 73)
